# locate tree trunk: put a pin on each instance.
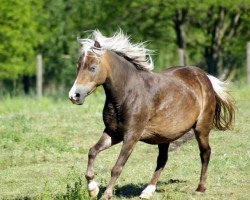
(182, 57)
(179, 20)
(26, 83)
(248, 63)
(211, 56)
(221, 30)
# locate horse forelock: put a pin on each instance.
(119, 43)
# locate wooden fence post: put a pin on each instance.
(248, 63)
(182, 57)
(39, 76)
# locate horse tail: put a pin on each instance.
(225, 105)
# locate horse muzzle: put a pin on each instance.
(77, 99)
(77, 94)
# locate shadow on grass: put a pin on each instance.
(125, 191)
(78, 191)
(134, 190)
(129, 190)
(169, 182)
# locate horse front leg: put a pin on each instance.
(127, 148)
(104, 143)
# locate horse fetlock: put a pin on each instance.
(93, 189)
(92, 153)
(148, 192)
(107, 194)
(90, 176)
(105, 198)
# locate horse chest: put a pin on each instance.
(113, 118)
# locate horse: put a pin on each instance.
(141, 105)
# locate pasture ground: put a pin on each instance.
(44, 145)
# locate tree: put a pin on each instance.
(220, 22)
(19, 35)
(66, 20)
(211, 34)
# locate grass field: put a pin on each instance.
(44, 145)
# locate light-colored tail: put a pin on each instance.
(225, 105)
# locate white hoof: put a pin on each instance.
(148, 192)
(93, 189)
(145, 196)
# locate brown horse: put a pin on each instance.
(141, 105)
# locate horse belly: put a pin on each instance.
(169, 126)
(157, 137)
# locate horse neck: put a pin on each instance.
(123, 77)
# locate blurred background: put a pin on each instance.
(44, 143)
(210, 34)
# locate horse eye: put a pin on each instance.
(92, 68)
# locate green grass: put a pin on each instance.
(44, 145)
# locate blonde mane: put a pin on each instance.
(120, 44)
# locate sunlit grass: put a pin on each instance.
(44, 145)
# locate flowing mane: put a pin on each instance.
(120, 44)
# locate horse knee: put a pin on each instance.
(92, 153)
(116, 171)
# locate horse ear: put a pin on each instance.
(97, 44)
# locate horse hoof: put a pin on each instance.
(196, 193)
(148, 192)
(145, 196)
(93, 189)
(200, 189)
(94, 193)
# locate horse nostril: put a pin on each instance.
(77, 95)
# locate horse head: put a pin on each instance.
(90, 73)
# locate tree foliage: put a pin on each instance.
(209, 33)
(19, 35)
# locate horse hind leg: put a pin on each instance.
(147, 193)
(202, 137)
